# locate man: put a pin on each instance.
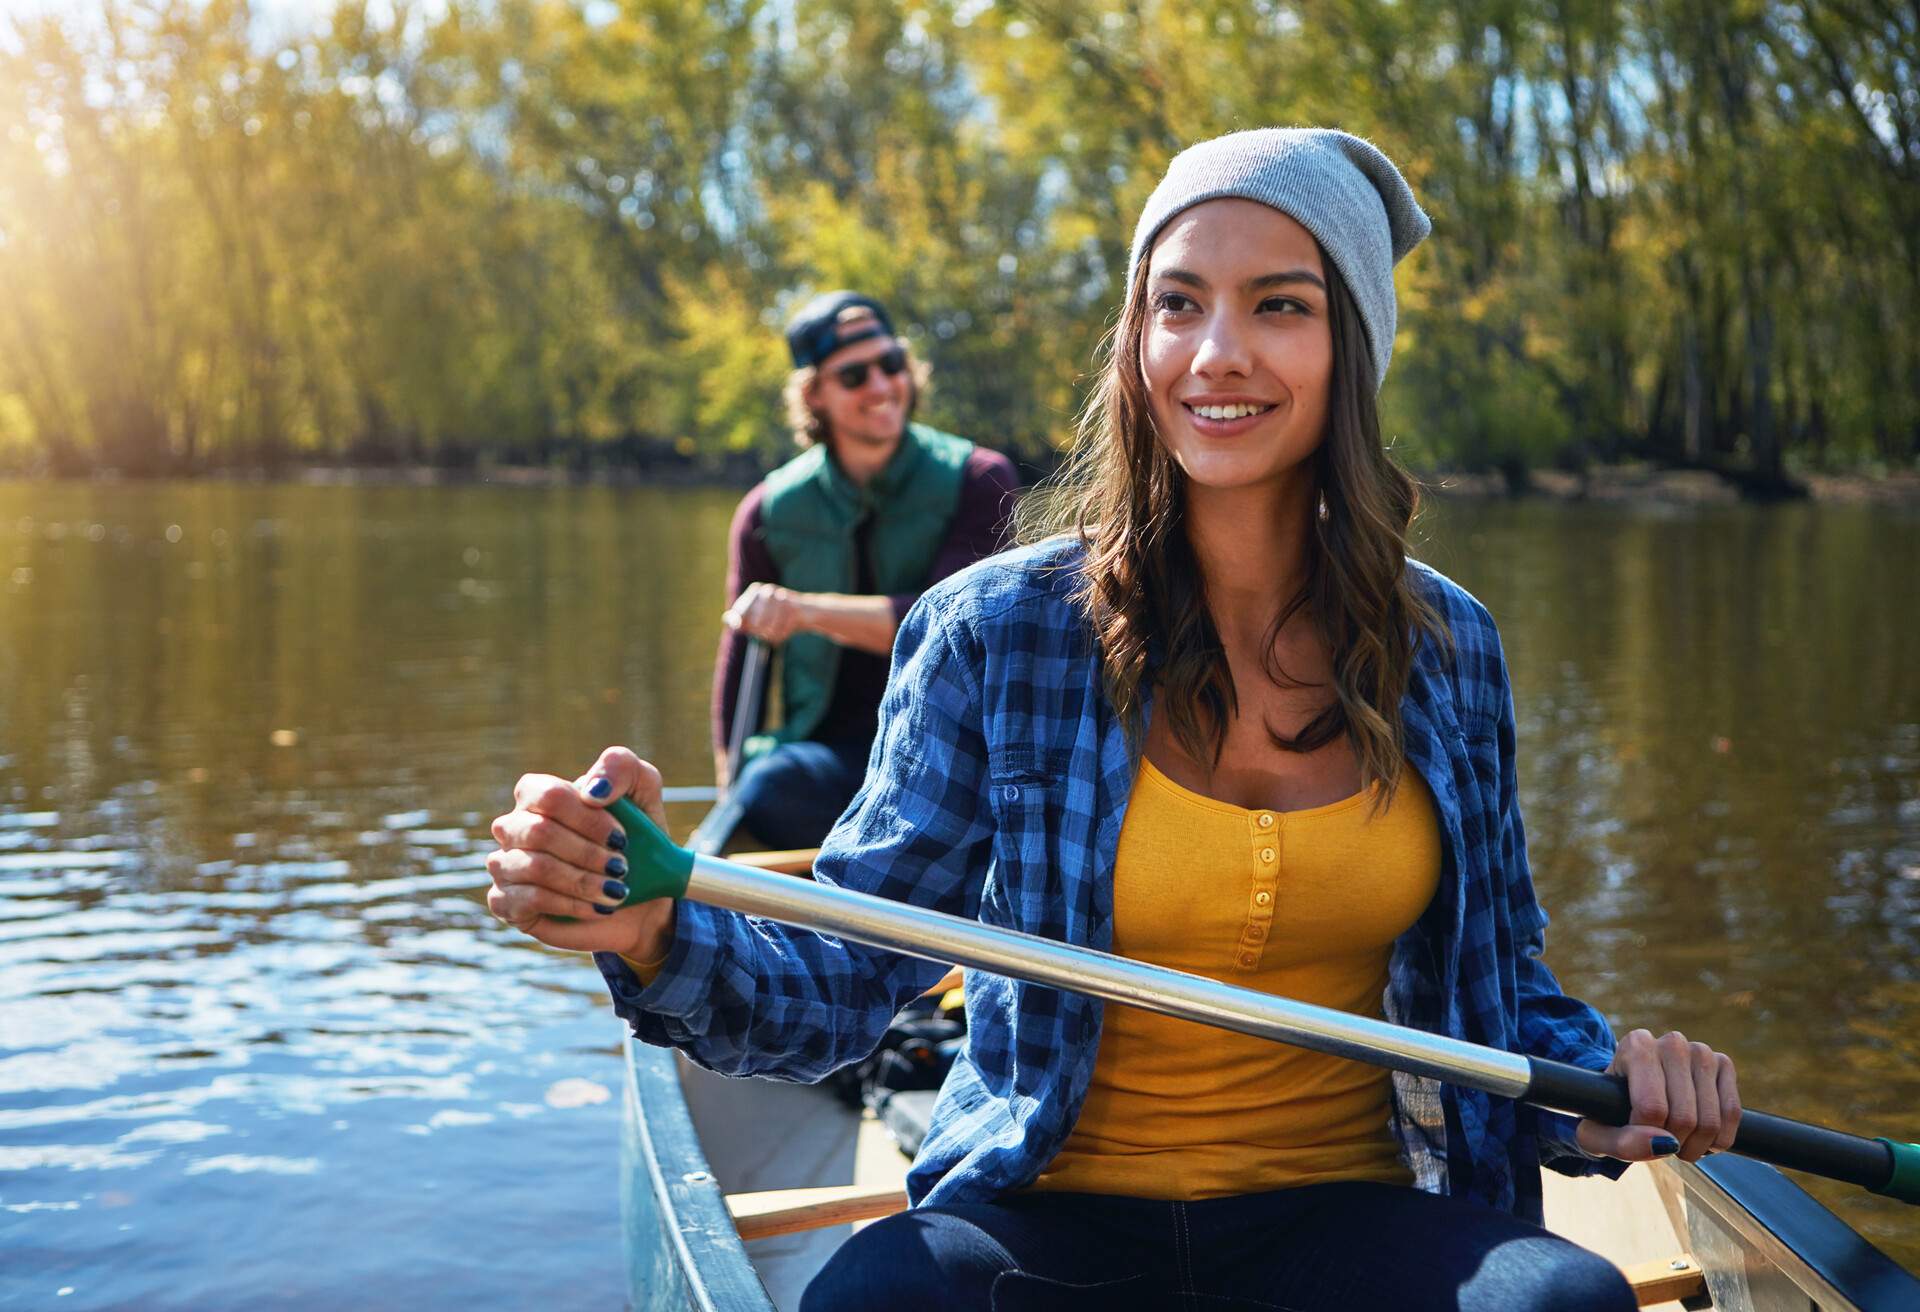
(827, 553)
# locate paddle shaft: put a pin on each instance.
(746, 706)
(1876, 1164)
(713, 831)
(689, 793)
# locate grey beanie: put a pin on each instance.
(1336, 186)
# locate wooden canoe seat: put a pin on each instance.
(953, 979)
(793, 861)
(1677, 1278)
(789, 1211)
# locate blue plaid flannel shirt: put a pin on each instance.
(996, 790)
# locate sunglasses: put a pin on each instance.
(854, 376)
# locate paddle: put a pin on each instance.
(660, 869)
(673, 793)
(712, 833)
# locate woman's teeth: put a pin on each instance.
(1228, 411)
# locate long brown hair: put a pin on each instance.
(1141, 587)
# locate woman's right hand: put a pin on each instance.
(562, 855)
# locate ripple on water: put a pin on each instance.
(66, 859)
(254, 1164)
(70, 1157)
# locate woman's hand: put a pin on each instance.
(1683, 1094)
(561, 854)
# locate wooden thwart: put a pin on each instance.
(794, 861)
(789, 1211)
(1664, 1282)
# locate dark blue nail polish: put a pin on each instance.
(1665, 1145)
(617, 840)
(617, 867)
(605, 911)
(614, 889)
(600, 787)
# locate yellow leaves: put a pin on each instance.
(16, 423)
(738, 360)
(833, 243)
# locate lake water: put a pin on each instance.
(261, 1044)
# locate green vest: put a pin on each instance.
(808, 517)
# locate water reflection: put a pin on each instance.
(1720, 735)
(255, 1022)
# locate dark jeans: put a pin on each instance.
(794, 793)
(1349, 1245)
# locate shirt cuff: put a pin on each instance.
(679, 984)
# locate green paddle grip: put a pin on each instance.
(655, 866)
(1904, 1183)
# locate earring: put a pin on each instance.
(1323, 507)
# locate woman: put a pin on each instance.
(1225, 724)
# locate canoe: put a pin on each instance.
(1726, 1233)
(734, 1192)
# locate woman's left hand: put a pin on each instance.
(1685, 1101)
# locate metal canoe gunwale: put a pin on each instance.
(1771, 1217)
(674, 1211)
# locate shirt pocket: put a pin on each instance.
(1028, 785)
(1479, 744)
(1489, 857)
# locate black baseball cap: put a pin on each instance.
(813, 333)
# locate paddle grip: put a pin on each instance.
(1876, 1164)
(1904, 1183)
(656, 867)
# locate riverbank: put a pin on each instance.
(1627, 482)
(1641, 482)
(1601, 483)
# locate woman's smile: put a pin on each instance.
(1225, 416)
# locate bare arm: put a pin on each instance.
(774, 614)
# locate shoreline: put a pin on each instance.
(1600, 483)
(1674, 487)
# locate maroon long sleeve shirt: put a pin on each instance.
(988, 489)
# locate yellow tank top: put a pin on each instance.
(1305, 904)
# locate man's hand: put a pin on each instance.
(768, 612)
(773, 614)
